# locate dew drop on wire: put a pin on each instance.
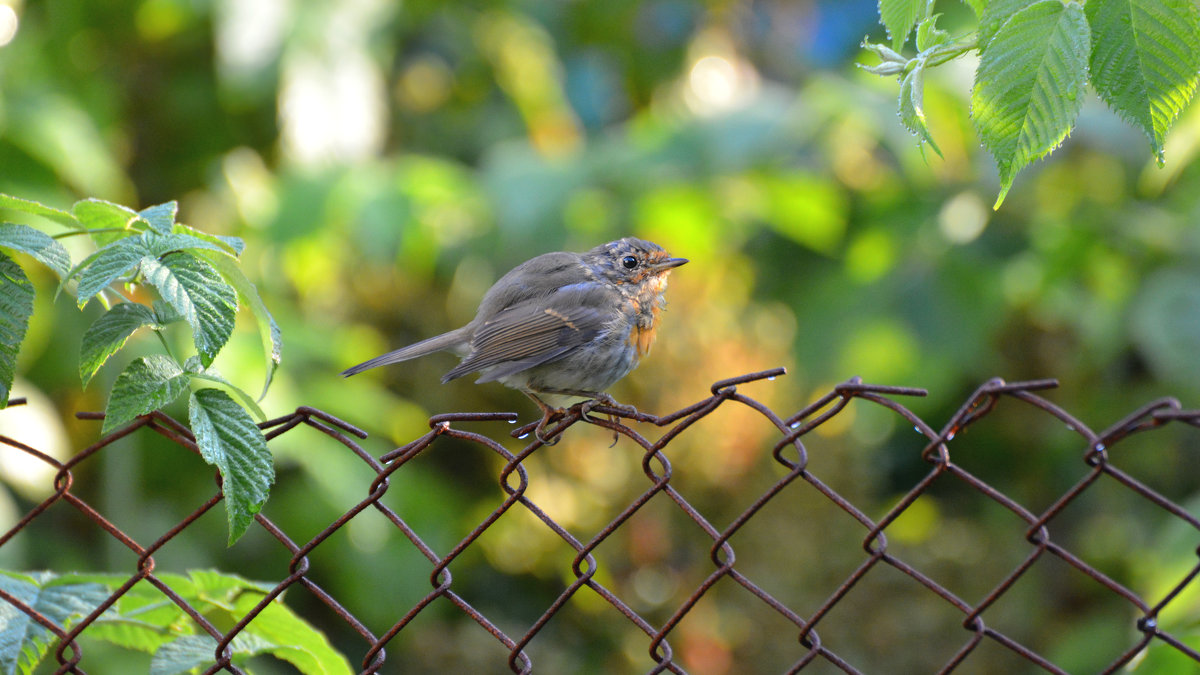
(771, 378)
(523, 436)
(795, 425)
(512, 421)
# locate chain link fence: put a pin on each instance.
(794, 626)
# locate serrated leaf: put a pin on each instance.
(16, 306)
(161, 216)
(131, 633)
(1029, 85)
(977, 6)
(103, 268)
(161, 244)
(1146, 60)
(38, 209)
(223, 587)
(108, 334)
(191, 651)
(292, 639)
(146, 384)
(194, 289)
(97, 214)
(994, 14)
(912, 107)
(229, 439)
(899, 17)
(233, 245)
(24, 641)
(38, 244)
(137, 621)
(268, 330)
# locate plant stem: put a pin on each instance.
(72, 233)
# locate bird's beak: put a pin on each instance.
(669, 264)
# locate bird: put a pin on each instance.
(560, 325)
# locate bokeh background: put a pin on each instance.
(386, 162)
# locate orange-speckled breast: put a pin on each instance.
(647, 309)
(642, 336)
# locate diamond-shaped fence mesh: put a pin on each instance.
(910, 599)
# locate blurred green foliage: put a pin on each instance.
(386, 163)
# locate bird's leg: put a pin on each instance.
(596, 398)
(548, 413)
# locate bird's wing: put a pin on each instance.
(531, 333)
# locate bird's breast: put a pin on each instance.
(645, 313)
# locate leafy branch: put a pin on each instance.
(197, 281)
(1035, 59)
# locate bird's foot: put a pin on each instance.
(608, 401)
(549, 415)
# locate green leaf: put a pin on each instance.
(224, 588)
(192, 651)
(131, 633)
(233, 245)
(268, 330)
(276, 630)
(291, 638)
(145, 619)
(36, 209)
(165, 314)
(38, 244)
(194, 289)
(994, 14)
(16, 306)
(108, 334)
(1146, 60)
(229, 439)
(23, 641)
(142, 619)
(912, 107)
(103, 268)
(899, 17)
(146, 385)
(161, 216)
(1029, 85)
(978, 6)
(161, 244)
(929, 35)
(97, 214)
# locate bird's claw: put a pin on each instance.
(539, 432)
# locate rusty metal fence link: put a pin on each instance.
(789, 452)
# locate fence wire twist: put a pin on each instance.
(789, 452)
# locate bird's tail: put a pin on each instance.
(434, 344)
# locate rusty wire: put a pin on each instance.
(789, 452)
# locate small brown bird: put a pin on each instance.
(561, 324)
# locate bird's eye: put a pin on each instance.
(629, 262)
